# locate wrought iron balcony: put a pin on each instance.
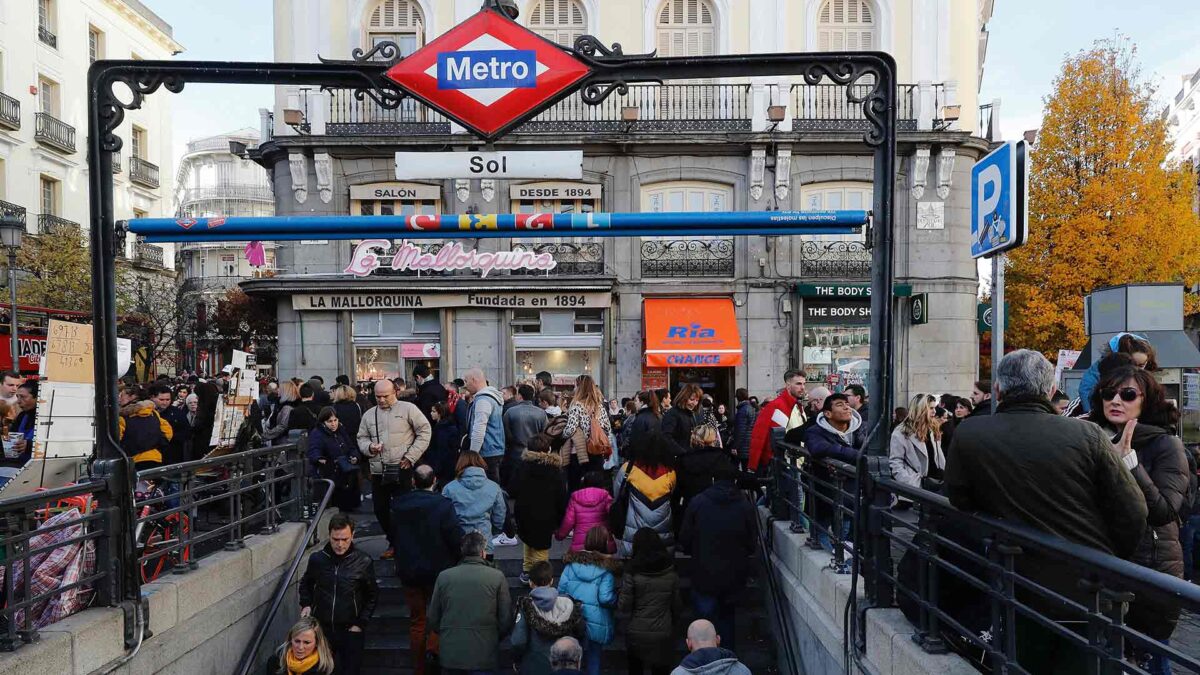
(48, 223)
(826, 107)
(148, 254)
(705, 257)
(583, 259)
(9, 210)
(46, 36)
(660, 108)
(143, 172)
(10, 112)
(54, 132)
(835, 260)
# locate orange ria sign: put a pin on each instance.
(689, 333)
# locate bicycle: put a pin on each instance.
(154, 536)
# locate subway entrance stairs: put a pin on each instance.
(387, 641)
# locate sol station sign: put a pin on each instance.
(488, 73)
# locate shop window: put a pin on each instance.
(589, 321)
(427, 322)
(376, 363)
(837, 355)
(526, 321)
(564, 364)
(366, 324)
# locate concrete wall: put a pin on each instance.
(200, 621)
(815, 597)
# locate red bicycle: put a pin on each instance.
(155, 536)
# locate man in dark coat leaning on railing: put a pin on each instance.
(1062, 476)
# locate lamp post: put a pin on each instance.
(12, 230)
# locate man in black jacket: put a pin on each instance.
(430, 392)
(719, 533)
(339, 589)
(1063, 476)
(427, 538)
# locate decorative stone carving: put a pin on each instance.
(920, 171)
(323, 167)
(462, 189)
(758, 168)
(783, 172)
(931, 215)
(945, 172)
(487, 188)
(298, 164)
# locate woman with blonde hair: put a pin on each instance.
(306, 651)
(345, 403)
(587, 432)
(915, 453)
(276, 425)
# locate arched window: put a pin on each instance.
(399, 21)
(561, 21)
(686, 28)
(846, 25)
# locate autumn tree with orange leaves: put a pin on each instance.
(1104, 206)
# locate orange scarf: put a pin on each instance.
(300, 666)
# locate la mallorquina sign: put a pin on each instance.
(371, 254)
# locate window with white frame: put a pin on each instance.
(834, 196)
(95, 44)
(560, 21)
(847, 25)
(686, 196)
(398, 21)
(137, 138)
(48, 96)
(686, 28)
(49, 195)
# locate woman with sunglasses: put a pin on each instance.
(1133, 407)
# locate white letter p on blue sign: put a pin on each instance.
(998, 200)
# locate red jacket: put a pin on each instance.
(773, 415)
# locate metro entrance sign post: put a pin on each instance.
(489, 75)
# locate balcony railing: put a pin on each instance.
(54, 132)
(660, 108)
(10, 112)
(143, 172)
(48, 37)
(9, 210)
(148, 254)
(248, 192)
(583, 259)
(835, 260)
(827, 107)
(48, 223)
(987, 127)
(707, 257)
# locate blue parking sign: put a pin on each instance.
(999, 200)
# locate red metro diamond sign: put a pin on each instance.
(488, 73)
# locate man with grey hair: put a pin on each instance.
(485, 421)
(471, 610)
(1063, 476)
(566, 656)
(707, 656)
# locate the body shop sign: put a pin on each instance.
(372, 254)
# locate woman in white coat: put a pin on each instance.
(915, 452)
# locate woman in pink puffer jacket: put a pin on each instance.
(588, 508)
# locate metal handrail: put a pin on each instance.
(1108, 584)
(53, 131)
(10, 111)
(260, 634)
(143, 172)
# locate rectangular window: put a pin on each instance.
(48, 96)
(376, 363)
(45, 15)
(138, 142)
(3, 180)
(427, 322)
(366, 324)
(95, 44)
(589, 321)
(527, 321)
(49, 196)
(396, 323)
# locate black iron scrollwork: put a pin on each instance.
(590, 46)
(594, 94)
(835, 259)
(386, 51)
(873, 99)
(382, 56)
(112, 108)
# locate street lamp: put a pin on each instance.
(12, 230)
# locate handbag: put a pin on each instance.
(598, 442)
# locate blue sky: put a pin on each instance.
(217, 30)
(1029, 39)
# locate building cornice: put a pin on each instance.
(150, 23)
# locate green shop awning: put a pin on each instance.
(846, 290)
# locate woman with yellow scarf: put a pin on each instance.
(306, 651)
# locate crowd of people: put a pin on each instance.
(458, 469)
